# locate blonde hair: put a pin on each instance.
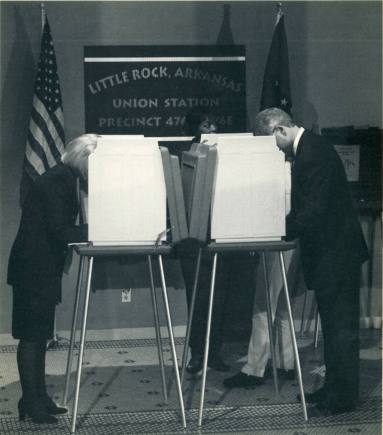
(266, 121)
(77, 152)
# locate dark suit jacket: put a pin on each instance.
(322, 215)
(47, 226)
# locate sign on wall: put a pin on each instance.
(361, 154)
(149, 90)
(349, 154)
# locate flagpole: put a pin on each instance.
(43, 15)
(54, 342)
(279, 12)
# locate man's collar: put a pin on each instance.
(297, 139)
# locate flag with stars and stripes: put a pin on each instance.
(45, 142)
(276, 80)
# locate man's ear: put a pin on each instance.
(280, 129)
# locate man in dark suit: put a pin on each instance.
(199, 121)
(230, 267)
(332, 251)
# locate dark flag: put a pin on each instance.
(46, 139)
(276, 80)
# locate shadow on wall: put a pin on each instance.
(307, 116)
(18, 67)
(14, 121)
(133, 272)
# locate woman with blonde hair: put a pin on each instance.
(36, 266)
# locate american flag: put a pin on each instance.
(46, 139)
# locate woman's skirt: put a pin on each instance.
(32, 315)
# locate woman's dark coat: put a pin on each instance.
(47, 225)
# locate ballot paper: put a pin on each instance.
(249, 191)
(212, 137)
(127, 193)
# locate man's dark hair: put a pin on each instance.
(193, 119)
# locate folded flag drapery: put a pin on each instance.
(46, 138)
(276, 80)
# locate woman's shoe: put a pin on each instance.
(22, 410)
(36, 412)
(52, 408)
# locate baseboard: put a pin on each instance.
(178, 331)
(109, 334)
(126, 333)
(7, 340)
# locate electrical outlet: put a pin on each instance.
(126, 295)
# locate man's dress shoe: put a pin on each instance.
(242, 380)
(315, 397)
(324, 409)
(215, 362)
(218, 364)
(288, 375)
(195, 365)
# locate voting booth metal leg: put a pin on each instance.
(73, 331)
(82, 342)
(190, 317)
(293, 338)
(207, 338)
(158, 330)
(171, 339)
(303, 314)
(270, 323)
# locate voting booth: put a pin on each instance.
(237, 190)
(135, 208)
(231, 193)
(131, 183)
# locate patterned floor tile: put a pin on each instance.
(121, 393)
